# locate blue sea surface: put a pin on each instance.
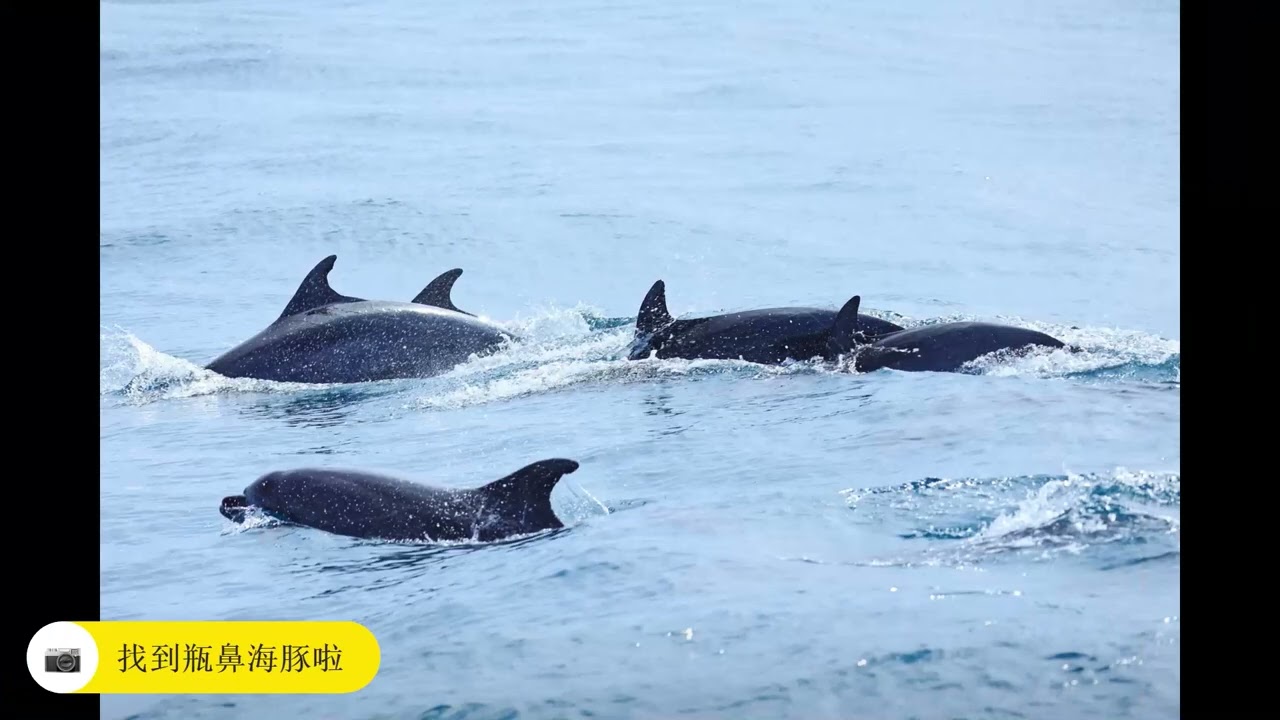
(742, 541)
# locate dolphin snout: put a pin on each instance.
(233, 507)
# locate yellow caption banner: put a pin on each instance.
(231, 657)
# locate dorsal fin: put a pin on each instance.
(526, 493)
(653, 313)
(315, 292)
(845, 335)
(437, 292)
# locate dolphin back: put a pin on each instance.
(359, 504)
(362, 341)
(947, 347)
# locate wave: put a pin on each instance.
(1127, 517)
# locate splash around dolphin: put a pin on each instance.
(325, 337)
(378, 507)
(944, 347)
(769, 336)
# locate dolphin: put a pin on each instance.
(378, 507)
(769, 336)
(944, 347)
(325, 337)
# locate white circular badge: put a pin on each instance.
(62, 657)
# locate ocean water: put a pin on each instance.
(742, 541)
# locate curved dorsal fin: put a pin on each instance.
(653, 315)
(315, 292)
(844, 335)
(526, 493)
(437, 292)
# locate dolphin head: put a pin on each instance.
(233, 508)
(328, 499)
(273, 489)
(264, 493)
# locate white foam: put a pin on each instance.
(140, 373)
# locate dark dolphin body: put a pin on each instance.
(944, 347)
(377, 507)
(325, 337)
(770, 336)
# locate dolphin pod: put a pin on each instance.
(326, 337)
(323, 336)
(770, 336)
(775, 335)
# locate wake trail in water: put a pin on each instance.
(138, 373)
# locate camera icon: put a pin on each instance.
(63, 657)
(62, 660)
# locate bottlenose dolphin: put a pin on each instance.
(944, 347)
(769, 336)
(377, 507)
(325, 337)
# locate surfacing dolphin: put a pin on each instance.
(769, 336)
(945, 347)
(325, 337)
(377, 507)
